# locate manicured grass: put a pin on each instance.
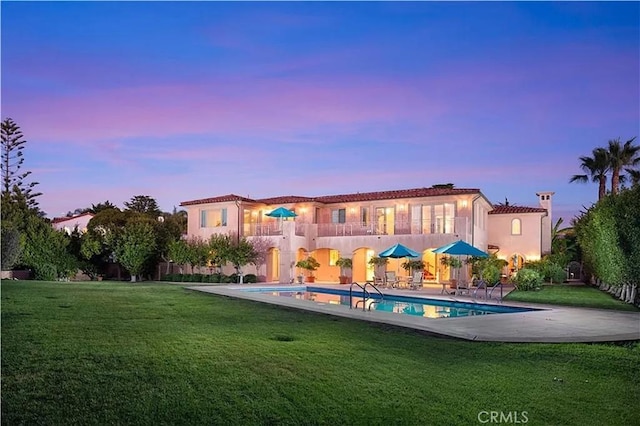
(147, 354)
(571, 295)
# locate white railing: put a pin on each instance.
(456, 225)
(254, 229)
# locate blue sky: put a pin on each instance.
(187, 100)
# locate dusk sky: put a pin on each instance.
(188, 100)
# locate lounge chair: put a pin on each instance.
(415, 281)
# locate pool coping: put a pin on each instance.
(550, 324)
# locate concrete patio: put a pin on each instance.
(551, 324)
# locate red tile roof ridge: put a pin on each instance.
(218, 199)
(500, 209)
(358, 196)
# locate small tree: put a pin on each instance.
(199, 253)
(345, 264)
(179, 253)
(241, 252)
(413, 266)
(136, 246)
(310, 264)
(261, 246)
(218, 250)
(379, 264)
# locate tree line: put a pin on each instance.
(136, 238)
(608, 232)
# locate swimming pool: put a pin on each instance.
(408, 305)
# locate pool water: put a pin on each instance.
(416, 306)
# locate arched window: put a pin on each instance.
(516, 227)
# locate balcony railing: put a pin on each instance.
(456, 225)
(266, 229)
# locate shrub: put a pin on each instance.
(215, 278)
(46, 272)
(250, 279)
(555, 273)
(528, 279)
(491, 274)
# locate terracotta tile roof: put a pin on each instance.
(64, 219)
(343, 198)
(286, 199)
(220, 199)
(516, 210)
(395, 194)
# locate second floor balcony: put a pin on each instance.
(457, 225)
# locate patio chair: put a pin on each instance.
(390, 279)
(416, 280)
(463, 288)
(378, 281)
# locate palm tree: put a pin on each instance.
(621, 156)
(634, 175)
(597, 168)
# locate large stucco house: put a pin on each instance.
(361, 225)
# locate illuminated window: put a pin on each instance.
(213, 218)
(438, 218)
(334, 255)
(364, 215)
(339, 216)
(516, 227)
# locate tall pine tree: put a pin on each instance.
(16, 191)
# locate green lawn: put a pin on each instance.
(571, 295)
(149, 354)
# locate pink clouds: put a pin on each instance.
(276, 106)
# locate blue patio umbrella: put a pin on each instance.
(281, 213)
(460, 248)
(398, 251)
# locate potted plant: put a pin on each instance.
(453, 263)
(310, 264)
(412, 266)
(379, 264)
(345, 265)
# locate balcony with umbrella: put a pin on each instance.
(281, 213)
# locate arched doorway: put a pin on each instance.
(362, 271)
(273, 265)
(516, 262)
(431, 265)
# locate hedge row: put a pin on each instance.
(210, 278)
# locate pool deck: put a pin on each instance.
(551, 324)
